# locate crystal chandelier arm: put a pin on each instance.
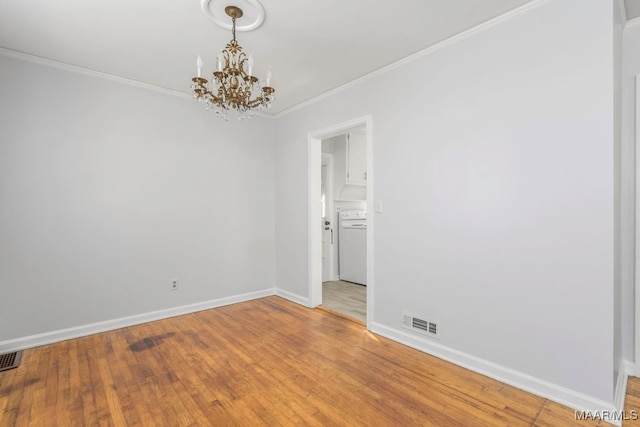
(242, 59)
(255, 102)
(199, 87)
(226, 61)
(222, 87)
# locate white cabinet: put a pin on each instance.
(357, 157)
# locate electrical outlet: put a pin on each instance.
(174, 285)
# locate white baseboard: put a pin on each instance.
(293, 297)
(554, 392)
(625, 369)
(109, 325)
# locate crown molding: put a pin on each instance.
(416, 56)
(100, 75)
(633, 22)
(622, 9)
(89, 72)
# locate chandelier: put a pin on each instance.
(233, 87)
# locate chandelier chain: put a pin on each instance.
(233, 28)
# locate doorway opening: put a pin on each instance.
(340, 190)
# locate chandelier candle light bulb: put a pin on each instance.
(232, 87)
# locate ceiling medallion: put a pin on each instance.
(233, 85)
(252, 17)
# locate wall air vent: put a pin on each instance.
(10, 360)
(425, 327)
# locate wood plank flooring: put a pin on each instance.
(348, 299)
(267, 362)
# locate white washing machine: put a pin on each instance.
(352, 246)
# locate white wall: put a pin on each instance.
(339, 164)
(108, 192)
(494, 160)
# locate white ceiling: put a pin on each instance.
(311, 46)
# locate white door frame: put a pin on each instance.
(314, 148)
(327, 160)
(637, 215)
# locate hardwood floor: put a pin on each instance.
(348, 299)
(265, 362)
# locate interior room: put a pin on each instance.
(176, 179)
(344, 223)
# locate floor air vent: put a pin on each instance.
(422, 326)
(10, 360)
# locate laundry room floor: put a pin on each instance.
(346, 298)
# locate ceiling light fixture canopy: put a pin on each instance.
(233, 87)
